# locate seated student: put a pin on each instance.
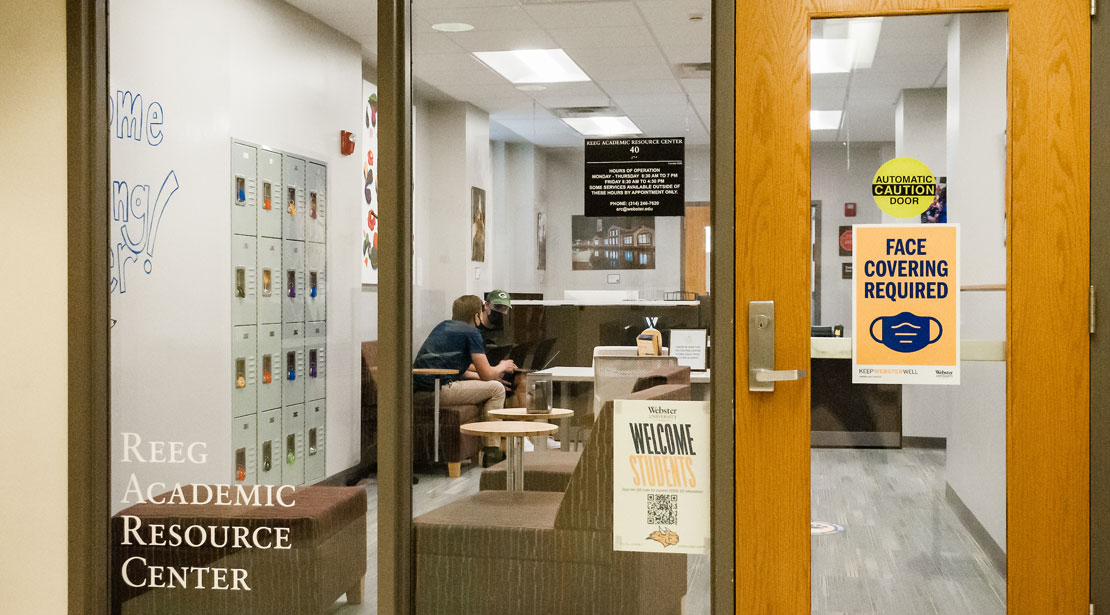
(457, 344)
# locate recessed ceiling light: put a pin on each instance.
(531, 87)
(824, 120)
(831, 55)
(605, 126)
(452, 27)
(533, 65)
(851, 44)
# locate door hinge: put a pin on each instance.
(1092, 309)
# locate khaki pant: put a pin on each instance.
(486, 394)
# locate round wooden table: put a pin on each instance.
(437, 372)
(514, 433)
(522, 414)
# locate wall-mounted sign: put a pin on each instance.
(904, 187)
(845, 241)
(846, 271)
(906, 304)
(661, 476)
(689, 345)
(635, 177)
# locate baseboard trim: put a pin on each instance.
(978, 532)
(344, 477)
(923, 442)
(855, 439)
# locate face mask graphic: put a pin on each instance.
(905, 332)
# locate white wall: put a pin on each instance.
(921, 127)
(451, 154)
(921, 132)
(841, 176)
(33, 374)
(261, 71)
(976, 464)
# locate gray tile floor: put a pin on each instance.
(903, 551)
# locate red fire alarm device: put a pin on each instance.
(850, 210)
(346, 143)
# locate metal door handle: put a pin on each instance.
(762, 374)
(778, 375)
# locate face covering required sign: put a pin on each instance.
(906, 304)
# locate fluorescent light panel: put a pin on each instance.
(838, 54)
(831, 55)
(604, 126)
(533, 65)
(824, 120)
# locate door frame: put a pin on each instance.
(1048, 464)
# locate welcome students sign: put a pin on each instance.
(906, 304)
(661, 476)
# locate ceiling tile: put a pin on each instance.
(640, 86)
(622, 63)
(573, 15)
(602, 37)
(676, 99)
(503, 40)
(482, 18)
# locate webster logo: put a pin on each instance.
(943, 372)
(661, 410)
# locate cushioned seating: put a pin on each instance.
(325, 559)
(543, 471)
(545, 552)
(454, 446)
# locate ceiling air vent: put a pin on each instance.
(693, 70)
(585, 111)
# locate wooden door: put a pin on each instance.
(1047, 290)
(694, 254)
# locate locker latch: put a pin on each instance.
(240, 373)
(291, 282)
(291, 362)
(267, 284)
(312, 284)
(241, 464)
(267, 368)
(290, 446)
(240, 190)
(266, 193)
(292, 201)
(267, 453)
(240, 282)
(312, 363)
(312, 441)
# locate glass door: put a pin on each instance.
(923, 495)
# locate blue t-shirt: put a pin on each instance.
(448, 346)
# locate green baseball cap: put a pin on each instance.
(500, 297)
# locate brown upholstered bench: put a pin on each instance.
(536, 553)
(326, 556)
(543, 471)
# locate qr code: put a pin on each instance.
(662, 509)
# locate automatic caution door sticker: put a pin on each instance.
(906, 304)
(904, 187)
